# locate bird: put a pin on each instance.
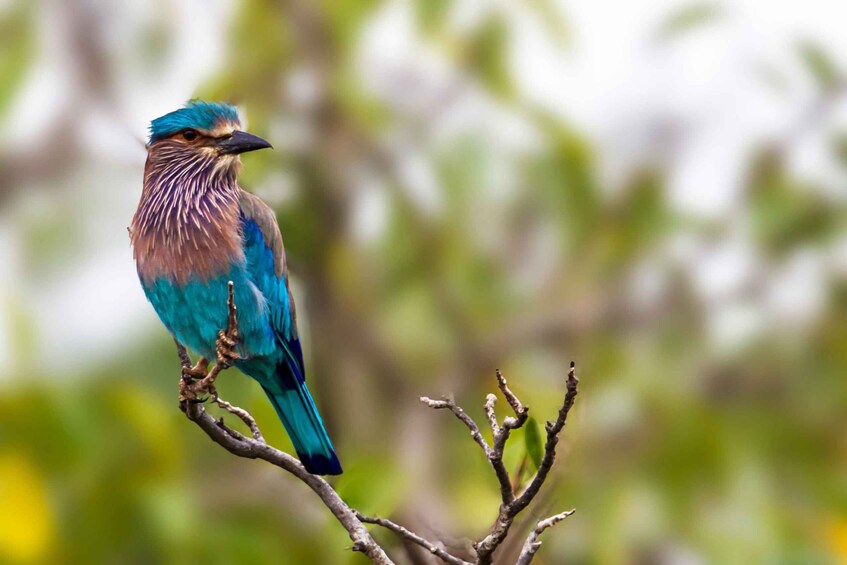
(196, 230)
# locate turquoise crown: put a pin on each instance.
(196, 114)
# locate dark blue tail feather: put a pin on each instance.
(297, 410)
(320, 464)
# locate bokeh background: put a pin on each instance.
(653, 189)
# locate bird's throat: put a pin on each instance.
(187, 225)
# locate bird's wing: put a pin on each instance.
(285, 385)
(267, 269)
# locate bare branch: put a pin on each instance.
(251, 448)
(511, 506)
(553, 431)
(532, 544)
(501, 434)
(193, 383)
(451, 405)
(519, 409)
(494, 456)
(509, 510)
(414, 538)
(199, 379)
(243, 414)
(490, 400)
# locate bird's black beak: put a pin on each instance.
(241, 142)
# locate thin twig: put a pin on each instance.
(193, 382)
(511, 506)
(250, 448)
(451, 405)
(490, 400)
(255, 447)
(532, 543)
(553, 431)
(508, 511)
(494, 457)
(502, 433)
(243, 414)
(519, 409)
(414, 538)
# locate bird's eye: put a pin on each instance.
(189, 135)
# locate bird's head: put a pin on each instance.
(203, 133)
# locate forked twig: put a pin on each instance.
(411, 536)
(512, 504)
(532, 544)
(451, 405)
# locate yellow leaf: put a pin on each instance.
(835, 534)
(26, 522)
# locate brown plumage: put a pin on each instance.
(187, 222)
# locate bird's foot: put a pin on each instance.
(192, 388)
(199, 379)
(209, 389)
(186, 390)
(225, 347)
(197, 372)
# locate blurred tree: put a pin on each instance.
(431, 243)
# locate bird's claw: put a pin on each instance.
(200, 379)
(225, 348)
(197, 372)
(212, 395)
(190, 391)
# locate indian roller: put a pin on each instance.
(194, 231)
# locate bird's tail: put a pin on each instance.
(301, 419)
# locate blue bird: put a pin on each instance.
(194, 231)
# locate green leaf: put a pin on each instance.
(552, 19)
(687, 19)
(532, 439)
(17, 44)
(785, 213)
(489, 54)
(345, 19)
(820, 64)
(432, 14)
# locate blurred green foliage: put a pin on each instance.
(673, 449)
(16, 48)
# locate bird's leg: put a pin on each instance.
(197, 380)
(189, 371)
(225, 350)
(184, 359)
(200, 378)
(198, 371)
(192, 377)
(225, 346)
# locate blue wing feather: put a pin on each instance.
(282, 372)
(261, 268)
